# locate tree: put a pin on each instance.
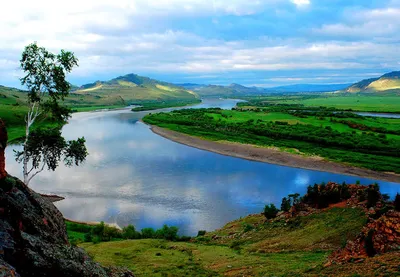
(270, 211)
(397, 202)
(47, 86)
(285, 205)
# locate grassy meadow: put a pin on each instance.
(389, 103)
(249, 246)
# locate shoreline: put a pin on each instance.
(272, 156)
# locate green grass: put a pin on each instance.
(160, 258)
(233, 116)
(297, 248)
(311, 135)
(155, 105)
(364, 103)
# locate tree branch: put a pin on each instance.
(36, 173)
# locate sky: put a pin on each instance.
(250, 42)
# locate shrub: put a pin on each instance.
(247, 227)
(88, 237)
(285, 205)
(168, 233)
(270, 211)
(129, 232)
(148, 233)
(369, 244)
(184, 238)
(373, 195)
(201, 233)
(397, 202)
(98, 229)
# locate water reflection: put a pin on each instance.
(133, 176)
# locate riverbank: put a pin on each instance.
(273, 156)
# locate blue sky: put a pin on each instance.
(257, 42)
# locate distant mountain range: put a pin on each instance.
(236, 89)
(387, 82)
(132, 88)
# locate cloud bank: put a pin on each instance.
(263, 42)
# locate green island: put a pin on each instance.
(292, 125)
(155, 105)
(300, 239)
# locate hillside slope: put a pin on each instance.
(133, 88)
(387, 82)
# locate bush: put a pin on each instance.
(201, 233)
(167, 233)
(88, 237)
(369, 244)
(373, 195)
(286, 204)
(129, 232)
(148, 233)
(270, 211)
(397, 202)
(184, 238)
(98, 230)
(247, 227)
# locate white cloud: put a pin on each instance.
(301, 3)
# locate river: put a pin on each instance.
(133, 176)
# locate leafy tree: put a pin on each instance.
(168, 233)
(397, 202)
(148, 233)
(285, 205)
(270, 211)
(47, 86)
(129, 232)
(373, 195)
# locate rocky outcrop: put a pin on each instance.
(3, 144)
(33, 238)
(377, 237)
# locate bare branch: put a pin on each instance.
(36, 173)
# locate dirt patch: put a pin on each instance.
(273, 156)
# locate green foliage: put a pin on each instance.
(285, 131)
(45, 79)
(167, 233)
(286, 204)
(46, 147)
(397, 202)
(201, 233)
(373, 195)
(369, 243)
(148, 233)
(129, 232)
(155, 105)
(247, 227)
(270, 211)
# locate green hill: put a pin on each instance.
(133, 88)
(385, 83)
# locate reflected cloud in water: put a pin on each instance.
(133, 176)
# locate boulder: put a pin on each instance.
(33, 238)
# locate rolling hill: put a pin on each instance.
(387, 82)
(133, 88)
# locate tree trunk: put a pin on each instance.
(3, 144)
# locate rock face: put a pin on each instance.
(3, 143)
(33, 238)
(377, 237)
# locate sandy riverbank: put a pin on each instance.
(273, 156)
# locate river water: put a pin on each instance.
(133, 176)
